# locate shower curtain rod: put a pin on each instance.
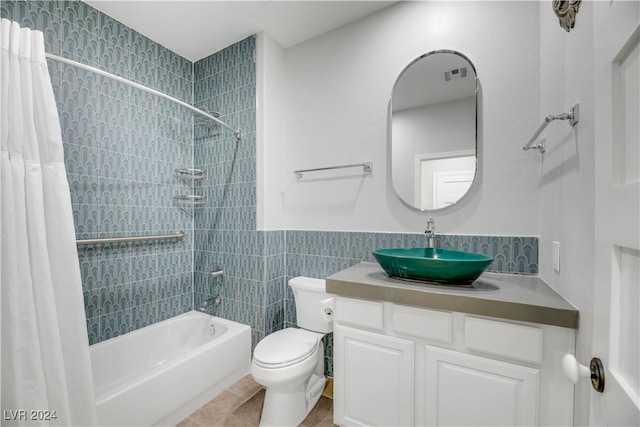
(142, 87)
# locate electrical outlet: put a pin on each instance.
(556, 256)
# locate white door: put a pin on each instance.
(373, 379)
(616, 336)
(467, 390)
(449, 187)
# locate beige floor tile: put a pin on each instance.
(241, 406)
(234, 421)
(327, 421)
(246, 387)
(250, 410)
(316, 417)
(216, 409)
(189, 422)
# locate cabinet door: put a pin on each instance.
(462, 390)
(373, 379)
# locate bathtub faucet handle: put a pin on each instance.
(209, 302)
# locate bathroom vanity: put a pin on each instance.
(409, 353)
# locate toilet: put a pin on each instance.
(290, 363)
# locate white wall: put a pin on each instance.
(338, 87)
(566, 178)
(270, 126)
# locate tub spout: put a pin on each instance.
(213, 301)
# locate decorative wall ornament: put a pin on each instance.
(566, 11)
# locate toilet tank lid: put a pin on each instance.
(309, 283)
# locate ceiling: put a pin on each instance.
(195, 29)
(423, 83)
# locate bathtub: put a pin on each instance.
(160, 374)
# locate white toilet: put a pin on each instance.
(290, 362)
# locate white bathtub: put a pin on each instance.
(160, 374)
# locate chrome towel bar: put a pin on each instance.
(572, 116)
(367, 168)
(103, 241)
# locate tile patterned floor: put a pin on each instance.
(241, 405)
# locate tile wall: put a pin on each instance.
(121, 151)
(122, 147)
(225, 229)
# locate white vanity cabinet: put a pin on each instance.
(402, 365)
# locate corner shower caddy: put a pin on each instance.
(192, 174)
(190, 201)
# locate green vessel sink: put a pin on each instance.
(432, 264)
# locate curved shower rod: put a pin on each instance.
(142, 87)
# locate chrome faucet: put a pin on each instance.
(431, 233)
(210, 302)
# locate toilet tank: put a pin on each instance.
(314, 306)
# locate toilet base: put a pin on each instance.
(289, 407)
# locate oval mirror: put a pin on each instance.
(433, 130)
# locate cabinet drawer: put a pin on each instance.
(510, 340)
(368, 314)
(432, 325)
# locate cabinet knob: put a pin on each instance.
(573, 371)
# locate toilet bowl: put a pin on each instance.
(289, 363)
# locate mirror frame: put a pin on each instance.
(390, 128)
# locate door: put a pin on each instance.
(467, 390)
(616, 332)
(449, 187)
(373, 379)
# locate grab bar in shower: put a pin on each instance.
(366, 166)
(572, 116)
(103, 241)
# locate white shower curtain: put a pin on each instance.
(46, 371)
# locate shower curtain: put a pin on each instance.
(46, 370)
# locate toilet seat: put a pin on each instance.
(286, 347)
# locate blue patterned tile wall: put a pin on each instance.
(121, 149)
(322, 253)
(225, 229)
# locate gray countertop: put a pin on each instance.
(514, 297)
